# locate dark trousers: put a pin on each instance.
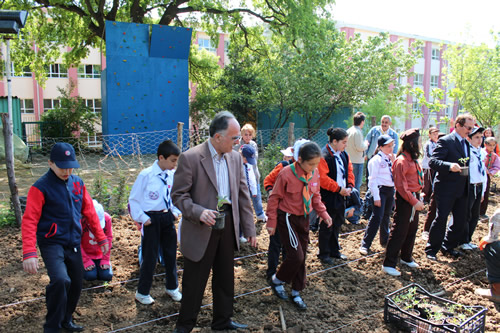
(492, 256)
(474, 205)
(293, 268)
(65, 270)
(484, 204)
(161, 232)
(218, 257)
(380, 218)
(439, 236)
(328, 238)
(273, 254)
(431, 213)
(98, 273)
(403, 233)
(428, 179)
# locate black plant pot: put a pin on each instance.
(220, 221)
(464, 171)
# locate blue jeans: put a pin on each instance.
(257, 203)
(357, 169)
(98, 273)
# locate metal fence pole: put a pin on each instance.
(291, 135)
(180, 128)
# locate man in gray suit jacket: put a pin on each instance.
(204, 172)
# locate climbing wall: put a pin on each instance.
(145, 84)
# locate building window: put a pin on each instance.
(89, 71)
(94, 105)
(205, 43)
(57, 70)
(226, 46)
(418, 80)
(434, 81)
(422, 51)
(49, 104)
(27, 106)
(416, 107)
(435, 54)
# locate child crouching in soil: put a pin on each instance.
(295, 194)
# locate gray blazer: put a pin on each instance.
(195, 189)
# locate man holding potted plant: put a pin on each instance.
(205, 174)
(450, 189)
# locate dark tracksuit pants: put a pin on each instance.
(328, 238)
(273, 254)
(380, 218)
(218, 258)
(161, 232)
(65, 269)
(431, 214)
(474, 205)
(293, 268)
(403, 233)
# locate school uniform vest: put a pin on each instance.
(59, 221)
(333, 200)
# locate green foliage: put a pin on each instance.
(475, 73)
(7, 217)
(221, 201)
(48, 22)
(379, 106)
(70, 118)
(433, 103)
(114, 199)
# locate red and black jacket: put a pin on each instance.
(54, 209)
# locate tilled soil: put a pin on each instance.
(345, 297)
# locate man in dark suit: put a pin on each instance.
(450, 189)
(205, 172)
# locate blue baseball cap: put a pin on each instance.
(248, 152)
(63, 155)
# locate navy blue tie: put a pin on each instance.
(464, 145)
(340, 164)
(167, 191)
(479, 162)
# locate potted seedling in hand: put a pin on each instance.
(220, 217)
(464, 169)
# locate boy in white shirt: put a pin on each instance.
(151, 206)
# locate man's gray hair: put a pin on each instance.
(220, 122)
(386, 117)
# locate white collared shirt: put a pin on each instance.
(380, 173)
(148, 193)
(221, 173)
(340, 175)
(474, 174)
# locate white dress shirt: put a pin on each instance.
(380, 173)
(251, 180)
(221, 172)
(474, 174)
(148, 193)
(340, 166)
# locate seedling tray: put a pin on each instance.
(414, 309)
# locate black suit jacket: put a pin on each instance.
(449, 150)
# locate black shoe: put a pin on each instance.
(72, 327)
(432, 257)
(232, 325)
(452, 253)
(339, 256)
(326, 261)
(299, 303)
(280, 293)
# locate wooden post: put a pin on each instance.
(291, 135)
(9, 162)
(180, 127)
(374, 121)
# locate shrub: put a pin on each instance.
(268, 160)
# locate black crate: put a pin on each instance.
(414, 317)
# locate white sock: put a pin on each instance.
(295, 293)
(276, 280)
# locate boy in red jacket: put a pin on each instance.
(55, 205)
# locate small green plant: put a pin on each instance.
(220, 202)
(7, 217)
(114, 199)
(463, 160)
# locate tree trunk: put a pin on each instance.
(9, 162)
